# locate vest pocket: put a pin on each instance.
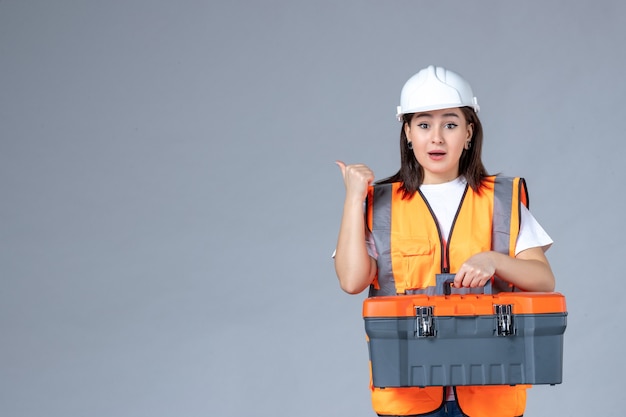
(412, 258)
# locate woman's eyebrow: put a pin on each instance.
(430, 115)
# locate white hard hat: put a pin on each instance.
(435, 88)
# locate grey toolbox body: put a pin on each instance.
(507, 338)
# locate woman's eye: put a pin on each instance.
(450, 125)
(422, 125)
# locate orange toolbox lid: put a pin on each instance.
(464, 305)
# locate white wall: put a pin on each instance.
(169, 201)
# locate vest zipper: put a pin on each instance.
(443, 262)
(445, 248)
(456, 216)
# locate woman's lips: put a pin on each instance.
(436, 155)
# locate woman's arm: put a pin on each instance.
(353, 265)
(529, 270)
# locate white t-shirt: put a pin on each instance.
(444, 199)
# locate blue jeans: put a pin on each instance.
(449, 409)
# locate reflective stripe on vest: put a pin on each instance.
(381, 218)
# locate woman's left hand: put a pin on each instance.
(476, 271)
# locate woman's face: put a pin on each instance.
(438, 138)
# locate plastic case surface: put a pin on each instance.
(472, 339)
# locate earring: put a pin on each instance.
(409, 144)
(468, 145)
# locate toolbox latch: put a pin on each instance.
(424, 323)
(504, 319)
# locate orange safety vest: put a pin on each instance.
(411, 251)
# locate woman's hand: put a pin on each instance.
(357, 178)
(476, 271)
(528, 271)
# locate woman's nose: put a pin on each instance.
(437, 136)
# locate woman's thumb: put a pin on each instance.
(342, 167)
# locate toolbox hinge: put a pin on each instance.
(424, 323)
(504, 319)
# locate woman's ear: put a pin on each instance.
(407, 128)
(470, 130)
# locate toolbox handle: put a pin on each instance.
(444, 286)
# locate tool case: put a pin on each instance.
(454, 339)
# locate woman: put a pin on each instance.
(441, 212)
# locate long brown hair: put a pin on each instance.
(411, 173)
